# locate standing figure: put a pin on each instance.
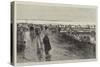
(27, 38)
(28, 44)
(32, 33)
(47, 46)
(39, 44)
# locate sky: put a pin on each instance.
(65, 14)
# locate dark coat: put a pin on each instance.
(46, 42)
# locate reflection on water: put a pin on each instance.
(48, 58)
(41, 56)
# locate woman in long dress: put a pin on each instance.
(47, 45)
(39, 44)
(30, 51)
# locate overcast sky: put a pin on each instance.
(56, 13)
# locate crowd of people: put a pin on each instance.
(35, 37)
(86, 33)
